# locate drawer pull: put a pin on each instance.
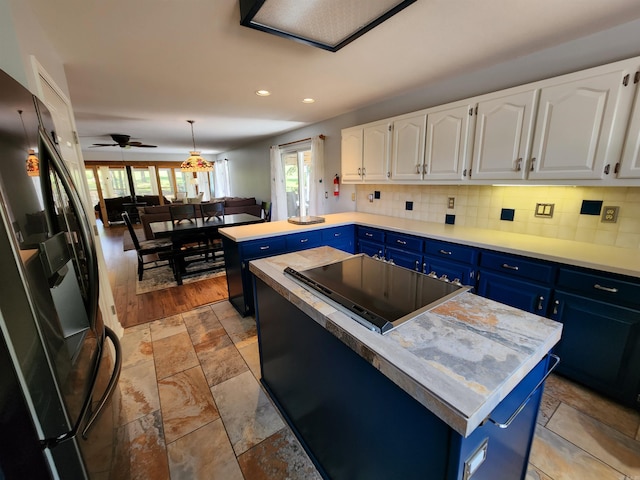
(540, 300)
(367, 234)
(335, 235)
(264, 247)
(556, 304)
(417, 265)
(401, 242)
(444, 252)
(304, 240)
(510, 267)
(605, 289)
(526, 400)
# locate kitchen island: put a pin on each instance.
(422, 401)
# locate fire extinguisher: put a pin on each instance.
(336, 185)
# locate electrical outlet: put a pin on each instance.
(353, 197)
(452, 202)
(609, 214)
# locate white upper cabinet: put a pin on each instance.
(503, 136)
(448, 142)
(352, 154)
(376, 148)
(408, 147)
(580, 124)
(630, 163)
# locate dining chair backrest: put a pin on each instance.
(132, 231)
(184, 212)
(266, 211)
(210, 210)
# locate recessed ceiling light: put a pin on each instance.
(308, 100)
(263, 93)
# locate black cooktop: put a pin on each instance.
(380, 294)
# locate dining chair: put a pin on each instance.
(266, 211)
(181, 213)
(211, 210)
(150, 252)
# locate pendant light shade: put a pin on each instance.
(195, 163)
(33, 163)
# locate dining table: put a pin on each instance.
(184, 232)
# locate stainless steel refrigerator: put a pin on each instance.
(56, 371)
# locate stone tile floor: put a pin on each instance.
(190, 406)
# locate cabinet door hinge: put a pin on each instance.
(625, 80)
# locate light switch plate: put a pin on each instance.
(610, 214)
(544, 210)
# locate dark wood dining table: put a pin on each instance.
(185, 231)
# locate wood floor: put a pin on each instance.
(135, 309)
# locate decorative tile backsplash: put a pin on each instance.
(482, 206)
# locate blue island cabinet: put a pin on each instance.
(355, 423)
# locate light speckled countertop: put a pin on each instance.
(459, 359)
(609, 259)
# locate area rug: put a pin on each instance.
(127, 243)
(161, 278)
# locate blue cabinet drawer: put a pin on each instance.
(263, 247)
(370, 248)
(371, 234)
(532, 297)
(299, 241)
(609, 288)
(404, 258)
(339, 234)
(518, 266)
(405, 242)
(466, 274)
(451, 251)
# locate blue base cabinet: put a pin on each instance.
(600, 345)
(238, 255)
(452, 261)
(357, 424)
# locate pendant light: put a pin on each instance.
(195, 163)
(33, 163)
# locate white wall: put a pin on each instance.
(249, 166)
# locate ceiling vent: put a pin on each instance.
(327, 24)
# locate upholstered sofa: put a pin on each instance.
(115, 205)
(232, 206)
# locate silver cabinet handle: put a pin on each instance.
(533, 164)
(264, 247)
(424, 267)
(424, 168)
(510, 267)
(364, 172)
(304, 240)
(605, 289)
(556, 304)
(519, 164)
(444, 252)
(417, 265)
(401, 242)
(367, 234)
(526, 400)
(540, 300)
(360, 171)
(335, 235)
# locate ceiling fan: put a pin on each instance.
(123, 141)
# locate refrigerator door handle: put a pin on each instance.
(117, 367)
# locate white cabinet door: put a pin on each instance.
(630, 163)
(448, 143)
(352, 155)
(408, 148)
(503, 136)
(375, 154)
(580, 126)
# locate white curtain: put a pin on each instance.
(278, 194)
(222, 186)
(316, 179)
(203, 186)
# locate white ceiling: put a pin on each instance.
(144, 67)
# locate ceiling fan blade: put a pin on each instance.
(105, 145)
(144, 146)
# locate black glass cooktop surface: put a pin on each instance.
(380, 294)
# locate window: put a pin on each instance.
(144, 180)
(297, 172)
(93, 186)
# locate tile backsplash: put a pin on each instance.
(482, 206)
